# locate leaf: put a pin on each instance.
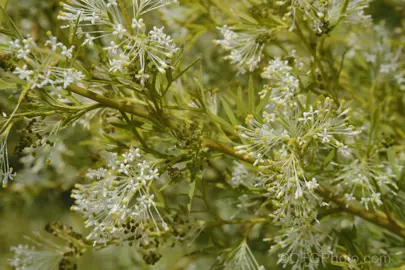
(121, 126)
(240, 102)
(6, 32)
(11, 28)
(186, 69)
(329, 158)
(251, 95)
(4, 85)
(168, 184)
(215, 118)
(74, 32)
(3, 4)
(375, 120)
(110, 17)
(392, 161)
(191, 191)
(113, 140)
(229, 113)
(358, 251)
(262, 104)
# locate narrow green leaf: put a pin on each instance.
(9, 24)
(186, 69)
(375, 120)
(263, 102)
(329, 158)
(167, 185)
(392, 161)
(229, 113)
(222, 122)
(6, 32)
(113, 140)
(73, 33)
(4, 85)
(122, 126)
(251, 95)
(110, 17)
(191, 191)
(3, 4)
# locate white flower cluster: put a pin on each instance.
(283, 137)
(118, 205)
(6, 172)
(326, 13)
(301, 244)
(129, 41)
(241, 176)
(365, 179)
(283, 85)
(40, 68)
(293, 194)
(282, 141)
(240, 258)
(325, 123)
(385, 57)
(245, 46)
(290, 128)
(36, 258)
(353, 12)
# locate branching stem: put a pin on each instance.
(376, 217)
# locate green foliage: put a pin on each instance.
(251, 134)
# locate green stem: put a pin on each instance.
(344, 7)
(140, 111)
(376, 217)
(236, 221)
(3, 3)
(126, 17)
(20, 100)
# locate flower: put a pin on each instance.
(46, 253)
(22, 48)
(261, 138)
(245, 46)
(324, 15)
(240, 175)
(282, 83)
(311, 10)
(305, 236)
(23, 73)
(279, 142)
(287, 124)
(6, 172)
(240, 258)
(327, 122)
(364, 180)
(39, 69)
(353, 13)
(385, 56)
(156, 47)
(29, 257)
(144, 6)
(119, 205)
(129, 43)
(292, 193)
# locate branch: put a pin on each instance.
(376, 217)
(236, 221)
(137, 110)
